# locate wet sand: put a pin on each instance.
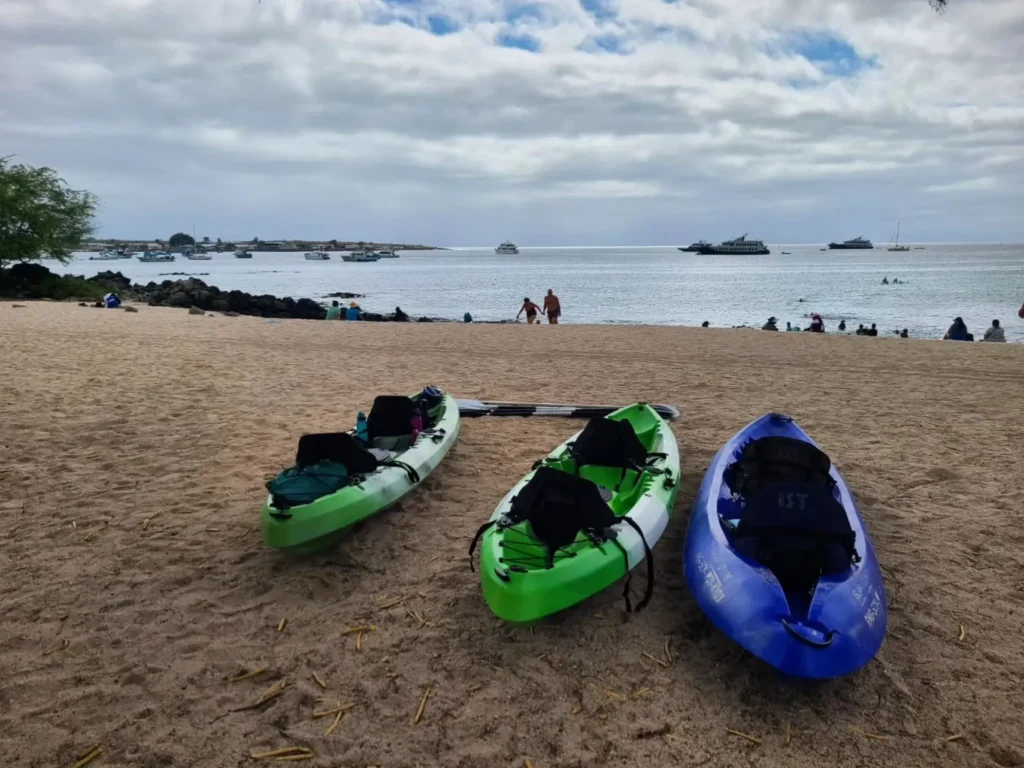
(133, 448)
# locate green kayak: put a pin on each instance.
(374, 479)
(583, 518)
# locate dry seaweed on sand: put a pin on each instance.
(247, 675)
(423, 706)
(87, 757)
(742, 735)
(271, 693)
(283, 754)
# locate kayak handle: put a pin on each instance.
(804, 638)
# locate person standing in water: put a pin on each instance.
(553, 307)
(530, 309)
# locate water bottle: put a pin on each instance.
(362, 431)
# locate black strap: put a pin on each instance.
(437, 434)
(472, 546)
(414, 476)
(650, 567)
(629, 576)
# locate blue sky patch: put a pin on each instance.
(524, 12)
(523, 42)
(833, 54)
(608, 43)
(441, 25)
(602, 10)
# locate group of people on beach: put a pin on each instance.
(552, 308)
(957, 331)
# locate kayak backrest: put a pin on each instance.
(558, 506)
(609, 443)
(391, 416)
(799, 530)
(778, 460)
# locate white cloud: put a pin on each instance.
(704, 118)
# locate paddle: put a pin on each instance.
(476, 408)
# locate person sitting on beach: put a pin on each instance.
(467, 318)
(400, 316)
(354, 312)
(995, 333)
(957, 331)
(860, 330)
(770, 325)
(705, 324)
(112, 301)
(531, 311)
(904, 334)
(553, 307)
(872, 331)
(334, 311)
(885, 281)
(842, 325)
(817, 324)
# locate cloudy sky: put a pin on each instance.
(465, 122)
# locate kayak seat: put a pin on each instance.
(798, 530)
(389, 425)
(609, 443)
(770, 460)
(557, 507)
(339, 447)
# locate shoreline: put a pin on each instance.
(376, 318)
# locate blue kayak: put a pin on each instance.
(778, 558)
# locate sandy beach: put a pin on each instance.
(133, 451)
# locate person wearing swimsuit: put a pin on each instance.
(553, 307)
(531, 311)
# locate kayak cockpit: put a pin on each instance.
(780, 507)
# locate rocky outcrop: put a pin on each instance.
(191, 292)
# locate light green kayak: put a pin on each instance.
(318, 525)
(524, 579)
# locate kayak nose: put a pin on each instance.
(811, 633)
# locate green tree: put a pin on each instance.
(179, 239)
(40, 215)
(938, 5)
(206, 239)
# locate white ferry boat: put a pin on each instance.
(857, 244)
(507, 247)
(738, 247)
(317, 256)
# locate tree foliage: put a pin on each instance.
(40, 215)
(938, 5)
(179, 239)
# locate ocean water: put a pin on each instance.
(660, 286)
